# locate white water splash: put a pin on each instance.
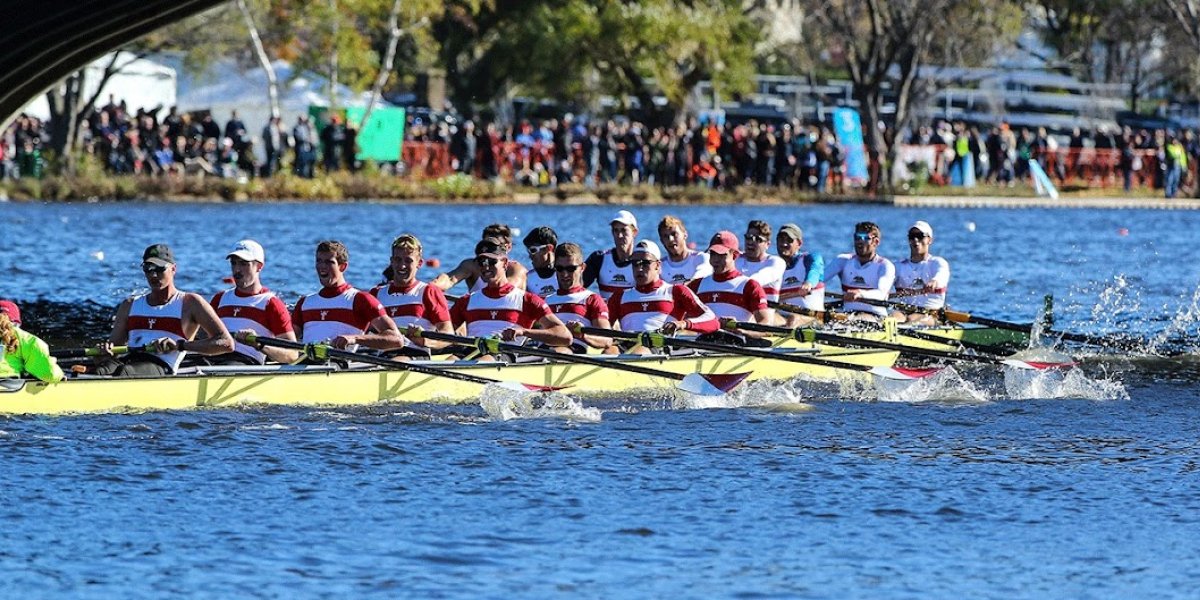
(1022, 384)
(1181, 327)
(945, 386)
(763, 393)
(504, 404)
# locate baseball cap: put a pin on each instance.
(648, 248)
(792, 230)
(724, 242)
(248, 250)
(159, 254)
(490, 247)
(625, 217)
(923, 227)
(10, 308)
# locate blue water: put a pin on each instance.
(1082, 497)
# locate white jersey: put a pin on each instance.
(693, 266)
(612, 277)
(914, 276)
(543, 286)
(768, 272)
(147, 323)
(873, 279)
(799, 273)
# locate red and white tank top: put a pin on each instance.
(768, 272)
(331, 312)
(611, 277)
(148, 322)
(649, 308)
(542, 285)
(492, 310)
(264, 313)
(731, 295)
(914, 276)
(693, 266)
(578, 305)
(420, 304)
(873, 278)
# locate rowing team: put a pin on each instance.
(640, 289)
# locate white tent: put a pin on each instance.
(140, 82)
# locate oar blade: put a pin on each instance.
(903, 373)
(1036, 365)
(711, 384)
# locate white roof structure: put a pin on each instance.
(140, 82)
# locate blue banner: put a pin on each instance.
(848, 129)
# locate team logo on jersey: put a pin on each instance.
(645, 306)
(237, 310)
(494, 313)
(395, 311)
(918, 282)
(151, 321)
(619, 278)
(792, 279)
(713, 297)
(323, 313)
(859, 279)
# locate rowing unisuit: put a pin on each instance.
(693, 266)
(768, 272)
(418, 304)
(912, 277)
(873, 279)
(578, 305)
(334, 311)
(649, 308)
(805, 268)
(610, 276)
(264, 313)
(492, 310)
(731, 295)
(147, 323)
(541, 282)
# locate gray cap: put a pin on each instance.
(792, 230)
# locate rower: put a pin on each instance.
(413, 305)
(922, 278)
(730, 294)
(164, 321)
(502, 309)
(540, 278)
(863, 274)
(681, 264)
(468, 269)
(803, 283)
(340, 314)
(610, 269)
(575, 305)
(655, 305)
(757, 264)
(249, 308)
(21, 352)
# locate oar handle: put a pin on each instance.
(86, 352)
(825, 316)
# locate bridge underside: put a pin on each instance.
(43, 41)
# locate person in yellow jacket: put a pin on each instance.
(21, 352)
(1176, 161)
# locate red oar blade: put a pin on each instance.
(1039, 365)
(902, 373)
(712, 384)
(544, 388)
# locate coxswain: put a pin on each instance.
(249, 308)
(502, 309)
(540, 244)
(729, 293)
(681, 264)
(922, 278)
(863, 274)
(163, 322)
(468, 269)
(759, 265)
(655, 305)
(21, 352)
(340, 314)
(803, 279)
(610, 269)
(414, 305)
(575, 305)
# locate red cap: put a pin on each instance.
(724, 242)
(10, 309)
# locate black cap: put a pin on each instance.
(491, 247)
(159, 254)
(540, 236)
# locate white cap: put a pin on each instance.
(648, 248)
(923, 227)
(248, 250)
(624, 217)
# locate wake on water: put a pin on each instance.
(504, 404)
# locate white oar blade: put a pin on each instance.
(901, 373)
(1036, 365)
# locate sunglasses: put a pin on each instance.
(916, 236)
(566, 268)
(755, 238)
(643, 264)
(863, 237)
(152, 269)
(486, 261)
(537, 249)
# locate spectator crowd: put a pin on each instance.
(556, 151)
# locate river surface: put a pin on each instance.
(982, 485)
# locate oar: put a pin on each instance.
(657, 340)
(811, 335)
(695, 383)
(824, 316)
(323, 351)
(87, 352)
(954, 316)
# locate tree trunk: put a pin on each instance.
(389, 59)
(263, 59)
(333, 54)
